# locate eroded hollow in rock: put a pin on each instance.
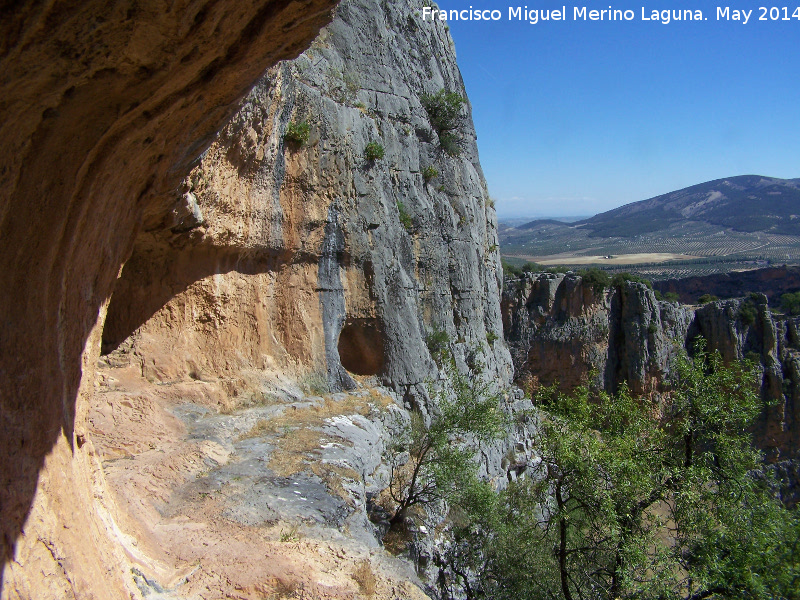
(361, 346)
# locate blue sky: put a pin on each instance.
(574, 118)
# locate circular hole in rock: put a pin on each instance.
(361, 346)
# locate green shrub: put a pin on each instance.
(748, 313)
(491, 337)
(595, 278)
(620, 278)
(438, 341)
(297, 133)
(429, 173)
(652, 328)
(510, 270)
(405, 218)
(672, 297)
(531, 267)
(444, 110)
(790, 303)
(315, 384)
(450, 143)
(444, 114)
(706, 298)
(374, 151)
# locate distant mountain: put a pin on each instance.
(748, 203)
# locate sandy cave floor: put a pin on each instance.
(250, 503)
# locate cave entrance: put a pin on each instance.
(361, 346)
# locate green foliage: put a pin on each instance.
(672, 297)
(747, 312)
(440, 457)
(405, 218)
(444, 110)
(450, 143)
(444, 114)
(429, 173)
(636, 499)
(511, 270)
(790, 303)
(438, 343)
(706, 298)
(620, 278)
(595, 278)
(652, 328)
(297, 133)
(374, 151)
(491, 337)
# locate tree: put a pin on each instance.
(790, 303)
(437, 461)
(635, 498)
(444, 114)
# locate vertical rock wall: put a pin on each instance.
(312, 257)
(560, 330)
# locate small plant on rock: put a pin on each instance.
(405, 218)
(374, 151)
(429, 173)
(297, 133)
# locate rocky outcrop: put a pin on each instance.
(105, 107)
(560, 330)
(306, 256)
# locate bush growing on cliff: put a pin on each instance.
(638, 499)
(429, 173)
(748, 312)
(511, 270)
(444, 114)
(405, 218)
(374, 151)
(438, 343)
(595, 278)
(297, 133)
(706, 298)
(620, 278)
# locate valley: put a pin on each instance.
(696, 231)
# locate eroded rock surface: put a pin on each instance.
(310, 257)
(560, 330)
(105, 107)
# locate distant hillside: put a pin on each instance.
(540, 222)
(748, 203)
(724, 225)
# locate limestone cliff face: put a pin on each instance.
(560, 330)
(104, 108)
(311, 257)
